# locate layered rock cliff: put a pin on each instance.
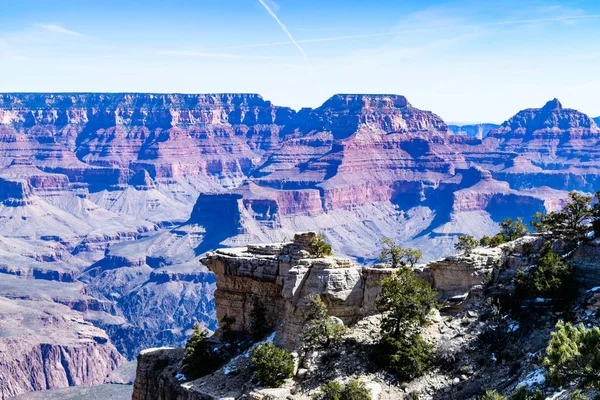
(475, 347)
(124, 193)
(284, 277)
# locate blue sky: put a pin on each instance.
(465, 60)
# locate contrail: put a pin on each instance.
(398, 33)
(284, 29)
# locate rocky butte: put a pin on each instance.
(284, 276)
(108, 201)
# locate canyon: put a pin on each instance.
(108, 202)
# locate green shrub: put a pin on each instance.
(577, 395)
(319, 247)
(319, 330)
(485, 241)
(493, 395)
(271, 365)
(465, 243)
(550, 278)
(353, 390)
(513, 229)
(201, 358)
(407, 358)
(497, 240)
(260, 324)
(573, 354)
(406, 301)
(522, 394)
(398, 256)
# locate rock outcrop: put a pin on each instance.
(90, 182)
(284, 277)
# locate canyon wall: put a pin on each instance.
(123, 194)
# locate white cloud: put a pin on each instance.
(58, 29)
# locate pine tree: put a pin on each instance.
(200, 356)
(260, 325)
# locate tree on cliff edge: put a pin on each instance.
(319, 247)
(398, 256)
(406, 303)
(201, 358)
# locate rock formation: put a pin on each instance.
(124, 193)
(284, 277)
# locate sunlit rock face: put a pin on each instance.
(123, 194)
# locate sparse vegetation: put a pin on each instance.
(201, 358)
(260, 324)
(406, 357)
(353, 390)
(320, 331)
(523, 394)
(513, 229)
(493, 395)
(550, 278)
(485, 241)
(398, 256)
(271, 365)
(577, 395)
(574, 223)
(319, 247)
(573, 355)
(509, 230)
(466, 244)
(406, 303)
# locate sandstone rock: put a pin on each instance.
(177, 175)
(285, 285)
(45, 345)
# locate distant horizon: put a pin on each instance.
(467, 60)
(448, 122)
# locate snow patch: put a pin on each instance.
(537, 377)
(556, 395)
(153, 349)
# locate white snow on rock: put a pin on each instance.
(537, 377)
(153, 349)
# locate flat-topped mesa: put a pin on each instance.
(283, 277)
(142, 109)
(366, 101)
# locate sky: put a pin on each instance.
(467, 61)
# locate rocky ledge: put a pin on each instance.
(284, 276)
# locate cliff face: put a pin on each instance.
(124, 193)
(284, 277)
(45, 346)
